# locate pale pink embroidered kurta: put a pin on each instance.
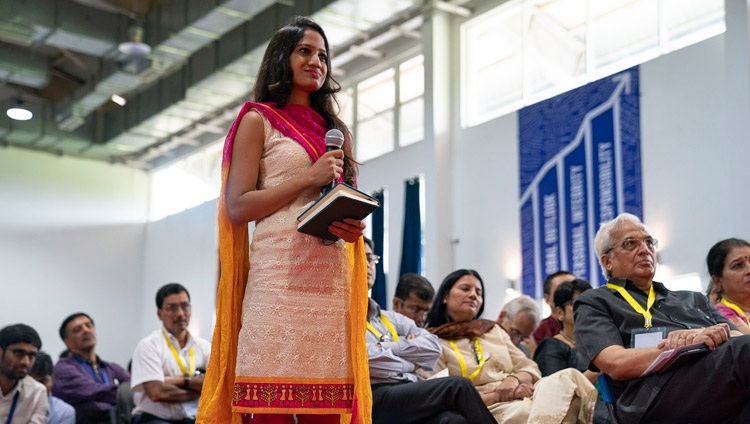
(292, 350)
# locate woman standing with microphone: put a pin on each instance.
(289, 308)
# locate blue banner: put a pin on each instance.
(580, 165)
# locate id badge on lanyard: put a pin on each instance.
(647, 336)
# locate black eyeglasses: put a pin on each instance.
(415, 309)
(373, 259)
(20, 353)
(174, 307)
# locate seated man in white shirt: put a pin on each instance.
(396, 347)
(168, 364)
(23, 400)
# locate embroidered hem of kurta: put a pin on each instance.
(308, 396)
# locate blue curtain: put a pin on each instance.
(411, 249)
(378, 293)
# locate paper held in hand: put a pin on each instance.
(677, 356)
(343, 201)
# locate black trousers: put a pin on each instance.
(449, 400)
(144, 418)
(714, 389)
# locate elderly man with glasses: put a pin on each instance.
(519, 318)
(621, 328)
(168, 364)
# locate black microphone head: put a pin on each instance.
(334, 139)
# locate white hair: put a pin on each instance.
(522, 303)
(603, 242)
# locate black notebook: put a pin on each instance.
(343, 201)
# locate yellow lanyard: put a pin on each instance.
(387, 324)
(177, 356)
(462, 361)
(632, 302)
(735, 308)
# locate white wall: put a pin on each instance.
(182, 248)
(71, 237)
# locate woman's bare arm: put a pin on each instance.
(247, 204)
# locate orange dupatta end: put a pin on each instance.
(362, 405)
(234, 265)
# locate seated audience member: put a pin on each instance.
(168, 364)
(509, 383)
(728, 264)
(396, 347)
(622, 327)
(413, 297)
(58, 412)
(559, 352)
(82, 378)
(519, 317)
(712, 293)
(23, 400)
(550, 326)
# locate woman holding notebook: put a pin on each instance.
(286, 307)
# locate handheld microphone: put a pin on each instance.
(334, 140)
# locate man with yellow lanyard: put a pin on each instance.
(168, 365)
(396, 348)
(621, 328)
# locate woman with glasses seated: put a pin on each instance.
(728, 264)
(510, 383)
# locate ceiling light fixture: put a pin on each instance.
(116, 98)
(19, 112)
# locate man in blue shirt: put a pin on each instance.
(58, 412)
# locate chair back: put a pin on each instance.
(608, 395)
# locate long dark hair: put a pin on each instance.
(275, 79)
(565, 291)
(438, 314)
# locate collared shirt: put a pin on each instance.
(91, 399)
(31, 406)
(60, 412)
(394, 362)
(603, 318)
(153, 361)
